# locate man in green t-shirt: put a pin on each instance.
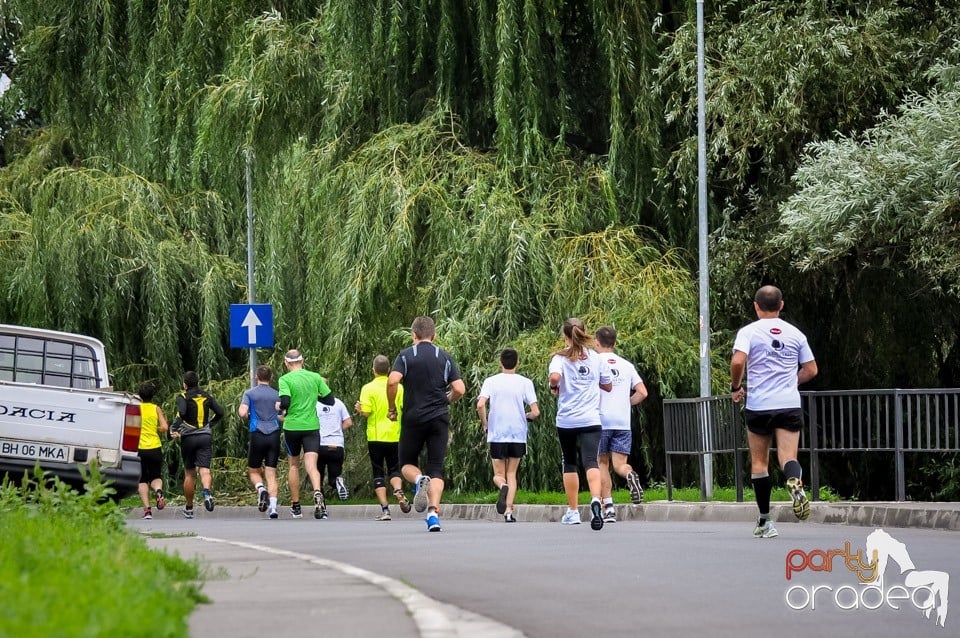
(300, 389)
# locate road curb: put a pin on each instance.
(941, 516)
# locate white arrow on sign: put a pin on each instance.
(251, 322)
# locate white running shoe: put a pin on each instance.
(342, 491)
(421, 499)
(765, 529)
(571, 517)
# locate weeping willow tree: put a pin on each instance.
(499, 164)
(119, 257)
(414, 221)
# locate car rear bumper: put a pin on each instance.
(125, 479)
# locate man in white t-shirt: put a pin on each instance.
(616, 438)
(509, 394)
(776, 358)
(334, 419)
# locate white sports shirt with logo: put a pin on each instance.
(509, 394)
(775, 349)
(579, 402)
(615, 405)
(331, 422)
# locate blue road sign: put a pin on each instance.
(251, 325)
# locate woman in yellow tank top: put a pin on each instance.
(152, 424)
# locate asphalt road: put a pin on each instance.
(631, 578)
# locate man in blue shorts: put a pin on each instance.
(616, 438)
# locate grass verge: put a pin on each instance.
(69, 567)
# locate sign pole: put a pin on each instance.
(704, 273)
(250, 291)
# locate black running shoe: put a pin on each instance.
(502, 499)
(263, 500)
(636, 492)
(596, 511)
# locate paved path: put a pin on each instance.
(664, 570)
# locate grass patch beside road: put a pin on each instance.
(69, 567)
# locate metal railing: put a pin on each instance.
(887, 420)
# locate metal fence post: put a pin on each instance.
(737, 458)
(667, 443)
(814, 446)
(901, 490)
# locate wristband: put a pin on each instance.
(554, 387)
(736, 389)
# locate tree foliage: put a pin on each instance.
(499, 164)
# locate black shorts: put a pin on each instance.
(151, 464)
(764, 422)
(305, 440)
(384, 454)
(196, 450)
(435, 435)
(331, 459)
(264, 449)
(507, 450)
(588, 439)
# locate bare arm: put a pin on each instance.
(606, 387)
(162, 426)
(346, 423)
(639, 394)
(358, 408)
(534, 412)
(555, 383)
(738, 364)
(243, 411)
(457, 390)
(482, 411)
(393, 383)
(808, 371)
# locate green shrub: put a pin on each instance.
(69, 567)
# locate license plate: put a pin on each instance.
(34, 451)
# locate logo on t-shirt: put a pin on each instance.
(614, 372)
(776, 344)
(775, 331)
(583, 371)
(325, 409)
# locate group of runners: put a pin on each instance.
(407, 410)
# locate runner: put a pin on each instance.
(577, 375)
(152, 424)
(431, 381)
(383, 436)
(777, 358)
(334, 419)
(259, 404)
(616, 438)
(506, 426)
(300, 389)
(192, 427)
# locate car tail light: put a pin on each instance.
(131, 429)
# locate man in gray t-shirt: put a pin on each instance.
(259, 405)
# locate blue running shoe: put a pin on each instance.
(433, 522)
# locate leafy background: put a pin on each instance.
(498, 164)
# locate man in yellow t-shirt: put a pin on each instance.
(383, 436)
